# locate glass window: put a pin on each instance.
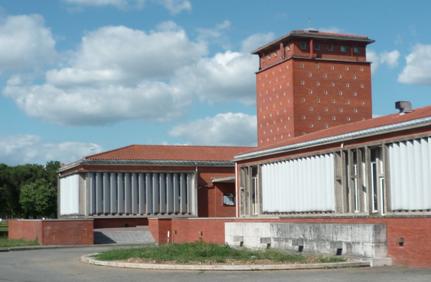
(317, 47)
(228, 199)
(343, 49)
(303, 45)
(356, 50)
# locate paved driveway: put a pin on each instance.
(64, 265)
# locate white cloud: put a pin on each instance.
(226, 76)
(222, 129)
(176, 6)
(22, 149)
(418, 66)
(388, 58)
(173, 6)
(255, 41)
(98, 3)
(98, 104)
(214, 33)
(118, 73)
(25, 43)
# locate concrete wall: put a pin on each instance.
(53, 232)
(407, 237)
(367, 240)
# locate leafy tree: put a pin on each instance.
(38, 199)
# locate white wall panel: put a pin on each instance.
(410, 174)
(299, 185)
(69, 195)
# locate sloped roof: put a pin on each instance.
(170, 152)
(331, 134)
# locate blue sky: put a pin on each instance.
(81, 76)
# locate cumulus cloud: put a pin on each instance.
(98, 3)
(418, 66)
(222, 129)
(256, 40)
(118, 73)
(20, 149)
(388, 58)
(176, 6)
(25, 43)
(226, 76)
(173, 6)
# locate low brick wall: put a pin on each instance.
(407, 236)
(21, 229)
(53, 232)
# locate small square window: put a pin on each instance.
(303, 45)
(228, 199)
(356, 50)
(317, 47)
(343, 49)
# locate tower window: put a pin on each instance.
(303, 45)
(317, 47)
(343, 49)
(356, 50)
(330, 48)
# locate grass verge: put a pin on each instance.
(209, 254)
(5, 243)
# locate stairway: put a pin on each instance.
(123, 235)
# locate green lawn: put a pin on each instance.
(5, 243)
(209, 253)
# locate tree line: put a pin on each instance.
(28, 191)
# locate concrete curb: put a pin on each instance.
(46, 247)
(222, 267)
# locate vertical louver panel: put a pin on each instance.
(410, 174)
(299, 185)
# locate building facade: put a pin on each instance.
(150, 180)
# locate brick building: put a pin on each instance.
(321, 159)
(139, 181)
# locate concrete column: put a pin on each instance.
(149, 193)
(127, 194)
(120, 189)
(183, 192)
(135, 193)
(176, 184)
(113, 190)
(106, 193)
(99, 193)
(190, 178)
(92, 188)
(156, 194)
(162, 181)
(142, 193)
(169, 193)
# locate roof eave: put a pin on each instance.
(336, 139)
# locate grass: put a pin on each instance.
(3, 226)
(208, 253)
(5, 243)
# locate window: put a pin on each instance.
(303, 45)
(331, 48)
(356, 50)
(343, 49)
(228, 199)
(317, 46)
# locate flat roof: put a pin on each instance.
(315, 34)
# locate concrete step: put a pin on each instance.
(126, 235)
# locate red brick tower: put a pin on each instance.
(310, 80)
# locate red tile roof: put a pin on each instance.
(171, 153)
(351, 127)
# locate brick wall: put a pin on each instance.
(53, 232)
(25, 230)
(413, 231)
(119, 222)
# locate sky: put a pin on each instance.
(82, 76)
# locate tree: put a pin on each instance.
(38, 199)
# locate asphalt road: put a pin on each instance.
(64, 265)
